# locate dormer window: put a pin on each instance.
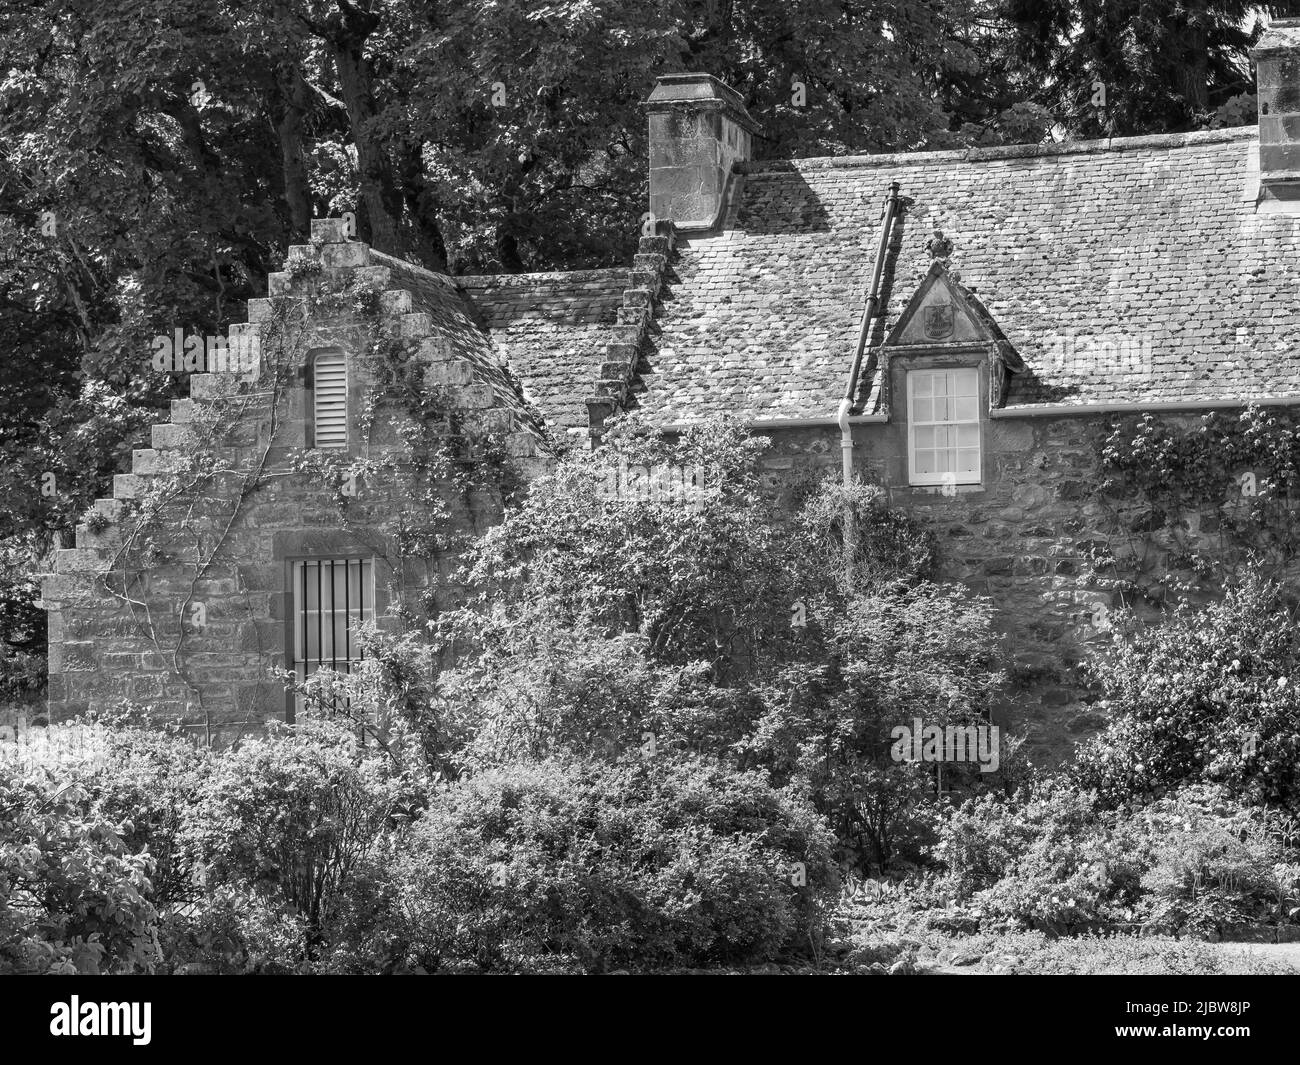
(943, 419)
(330, 400)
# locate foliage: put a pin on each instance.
(601, 622)
(1052, 859)
(675, 862)
(148, 779)
(1160, 67)
(1213, 867)
(73, 898)
(297, 817)
(1196, 504)
(1206, 695)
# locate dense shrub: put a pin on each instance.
(1052, 859)
(147, 778)
(1209, 695)
(296, 816)
(1212, 865)
(1044, 858)
(676, 862)
(72, 896)
(787, 640)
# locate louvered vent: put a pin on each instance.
(331, 399)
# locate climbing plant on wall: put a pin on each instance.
(396, 492)
(1194, 501)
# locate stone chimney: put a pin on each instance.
(1277, 63)
(698, 128)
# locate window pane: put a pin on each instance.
(924, 436)
(338, 580)
(966, 409)
(925, 462)
(921, 384)
(965, 383)
(307, 576)
(340, 646)
(922, 410)
(968, 436)
(968, 460)
(313, 644)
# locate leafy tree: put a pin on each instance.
(1122, 68)
(616, 625)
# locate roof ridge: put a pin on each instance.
(604, 273)
(1004, 151)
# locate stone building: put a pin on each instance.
(953, 325)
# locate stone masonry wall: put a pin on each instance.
(1022, 538)
(122, 602)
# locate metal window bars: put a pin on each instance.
(333, 598)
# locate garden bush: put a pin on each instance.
(1053, 859)
(737, 630)
(599, 866)
(73, 898)
(1208, 695)
(297, 816)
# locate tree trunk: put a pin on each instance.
(347, 31)
(292, 99)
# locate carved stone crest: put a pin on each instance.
(939, 321)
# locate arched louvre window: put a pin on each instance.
(330, 399)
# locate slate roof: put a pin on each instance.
(1150, 245)
(551, 331)
(1130, 270)
(453, 320)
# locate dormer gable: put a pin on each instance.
(943, 312)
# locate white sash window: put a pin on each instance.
(943, 427)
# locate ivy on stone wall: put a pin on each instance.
(393, 493)
(1195, 500)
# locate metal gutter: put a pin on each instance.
(1059, 409)
(785, 423)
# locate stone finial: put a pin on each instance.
(939, 246)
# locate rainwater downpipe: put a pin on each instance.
(869, 313)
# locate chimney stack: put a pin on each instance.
(1277, 64)
(698, 128)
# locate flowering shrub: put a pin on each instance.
(1212, 865)
(1045, 858)
(1209, 695)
